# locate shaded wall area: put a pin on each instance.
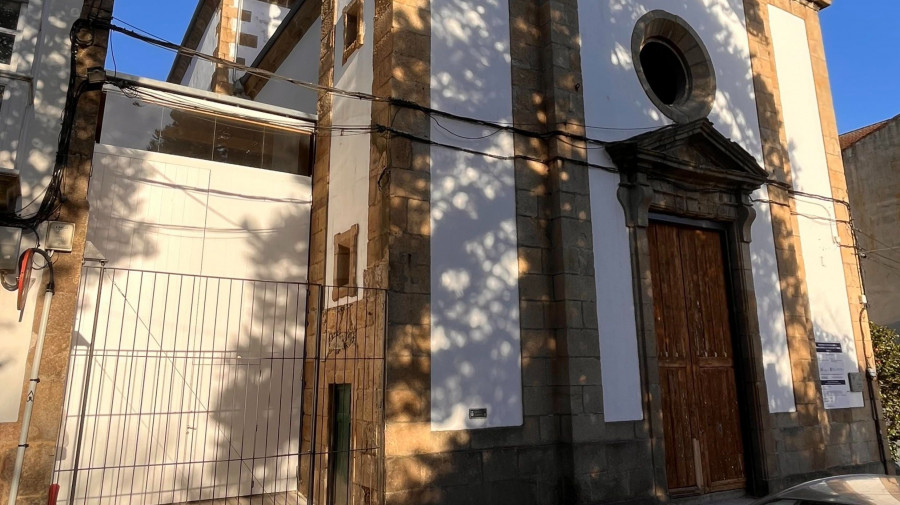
(872, 167)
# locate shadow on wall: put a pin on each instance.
(194, 389)
(474, 289)
(453, 466)
(721, 26)
(234, 386)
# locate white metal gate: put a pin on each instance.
(186, 388)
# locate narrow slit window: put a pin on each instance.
(342, 273)
(345, 254)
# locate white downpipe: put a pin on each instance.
(29, 402)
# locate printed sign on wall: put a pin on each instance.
(833, 376)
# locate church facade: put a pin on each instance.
(530, 251)
(614, 237)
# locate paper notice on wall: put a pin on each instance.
(833, 376)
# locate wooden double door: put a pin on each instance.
(701, 415)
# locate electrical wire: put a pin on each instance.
(256, 71)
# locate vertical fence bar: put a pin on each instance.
(86, 385)
(320, 307)
(381, 407)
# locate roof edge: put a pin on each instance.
(265, 59)
(182, 61)
(853, 137)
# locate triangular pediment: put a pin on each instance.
(693, 151)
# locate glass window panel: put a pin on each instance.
(238, 143)
(9, 14)
(130, 123)
(187, 133)
(136, 124)
(286, 151)
(6, 47)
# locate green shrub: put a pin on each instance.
(887, 360)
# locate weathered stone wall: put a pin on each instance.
(226, 46)
(564, 450)
(871, 166)
(348, 349)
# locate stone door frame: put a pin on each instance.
(656, 185)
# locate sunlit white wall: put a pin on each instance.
(826, 284)
(475, 339)
(348, 194)
(211, 260)
(265, 17)
(302, 64)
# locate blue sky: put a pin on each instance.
(167, 19)
(861, 41)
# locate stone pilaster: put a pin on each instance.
(811, 439)
(226, 47)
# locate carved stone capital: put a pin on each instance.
(746, 214)
(635, 195)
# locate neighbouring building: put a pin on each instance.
(234, 30)
(871, 161)
(518, 251)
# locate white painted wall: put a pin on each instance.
(348, 195)
(29, 128)
(619, 364)
(199, 73)
(152, 211)
(197, 220)
(303, 64)
(827, 287)
(614, 98)
(475, 340)
(264, 20)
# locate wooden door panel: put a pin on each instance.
(668, 294)
(701, 416)
(706, 293)
(675, 385)
(721, 437)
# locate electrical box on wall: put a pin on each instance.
(60, 236)
(856, 381)
(10, 241)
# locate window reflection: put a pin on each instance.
(185, 133)
(137, 124)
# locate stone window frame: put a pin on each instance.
(699, 97)
(353, 13)
(349, 240)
